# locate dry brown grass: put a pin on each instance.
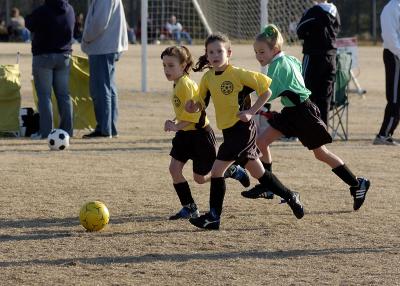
(260, 242)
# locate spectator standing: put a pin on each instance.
(176, 31)
(318, 29)
(52, 26)
(104, 39)
(390, 24)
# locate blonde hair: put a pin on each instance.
(182, 54)
(271, 36)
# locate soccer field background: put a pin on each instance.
(260, 241)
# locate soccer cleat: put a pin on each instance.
(238, 173)
(206, 221)
(385, 140)
(360, 192)
(258, 191)
(186, 212)
(296, 205)
(95, 134)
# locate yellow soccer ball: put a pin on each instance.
(94, 216)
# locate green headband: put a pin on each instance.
(270, 32)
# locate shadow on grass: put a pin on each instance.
(41, 234)
(92, 150)
(329, 212)
(72, 221)
(181, 257)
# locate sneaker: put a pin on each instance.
(360, 192)
(95, 134)
(385, 140)
(186, 212)
(296, 205)
(258, 192)
(238, 173)
(206, 221)
(37, 136)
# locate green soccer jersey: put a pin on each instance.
(285, 72)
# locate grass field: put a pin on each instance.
(260, 241)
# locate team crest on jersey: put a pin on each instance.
(226, 87)
(177, 102)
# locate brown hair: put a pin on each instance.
(271, 36)
(182, 54)
(202, 62)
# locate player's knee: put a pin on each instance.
(262, 145)
(174, 171)
(199, 179)
(321, 156)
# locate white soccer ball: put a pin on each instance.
(58, 140)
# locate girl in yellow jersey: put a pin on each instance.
(194, 138)
(230, 88)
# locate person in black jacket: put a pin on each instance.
(318, 29)
(52, 26)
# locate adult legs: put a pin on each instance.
(114, 97)
(319, 73)
(42, 70)
(103, 92)
(187, 37)
(61, 90)
(392, 110)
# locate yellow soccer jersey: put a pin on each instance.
(230, 92)
(184, 90)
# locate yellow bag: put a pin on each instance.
(10, 98)
(83, 115)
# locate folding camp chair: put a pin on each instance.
(10, 98)
(339, 113)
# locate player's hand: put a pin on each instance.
(245, 115)
(169, 125)
(191, 106)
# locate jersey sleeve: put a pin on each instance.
(186, 92)
(259, 82)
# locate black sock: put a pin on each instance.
(217, 194)
(273, 184)
(346, 175)
(267, 166)
(184, 194)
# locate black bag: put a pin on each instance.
(29, 121)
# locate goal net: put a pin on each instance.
(239, 19)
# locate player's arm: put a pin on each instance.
(306, 24)
(246, 115)
(33, 21)
(171, 125)
(188, 93)
(260, 83)
(200, 102)
(390, 34)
